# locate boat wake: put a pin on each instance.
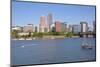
(29, 45)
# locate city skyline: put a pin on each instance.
(31, 13)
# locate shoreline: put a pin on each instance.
(47, 38)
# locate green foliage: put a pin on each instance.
(15, 33)
(69, 34)
(37, 34)
(55, 33)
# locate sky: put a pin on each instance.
(24, 13)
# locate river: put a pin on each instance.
(44, 51)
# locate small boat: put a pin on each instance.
(86, 46)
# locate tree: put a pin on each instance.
(40, 34)
(69, 34)
(15, 33)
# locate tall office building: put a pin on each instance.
(70, 28)
(49, 21)
(84, 27)
(57, 26)
(63, 27)
(36, 29)
(42, 25)
(28, 28)
(52, 27)
(76, 28)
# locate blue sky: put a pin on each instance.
(30, 12)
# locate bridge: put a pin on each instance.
(87, 34)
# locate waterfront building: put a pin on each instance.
(36, 29)
(52, 27)
(42, 25)
(70, 28)
(57, 26)
(28, 28)
(63, 27)
(18, 28)
(49, 21)
(76, 28)
(84, 27)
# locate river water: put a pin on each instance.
(44, 51)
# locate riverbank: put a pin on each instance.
(47, 37)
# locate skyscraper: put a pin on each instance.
(42, 25)
(84, 27)
(49, 20)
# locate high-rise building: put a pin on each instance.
(57, 26)
(63, 27)
(52, 27)
(76, 28)
(70, 28)
(28, 28)
(36, 29)
(49, 20)
(42, 25)
(84, 27)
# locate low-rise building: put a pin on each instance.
(28, 28)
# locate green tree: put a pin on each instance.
(38, 34)
(15, 33)
(69, 34)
